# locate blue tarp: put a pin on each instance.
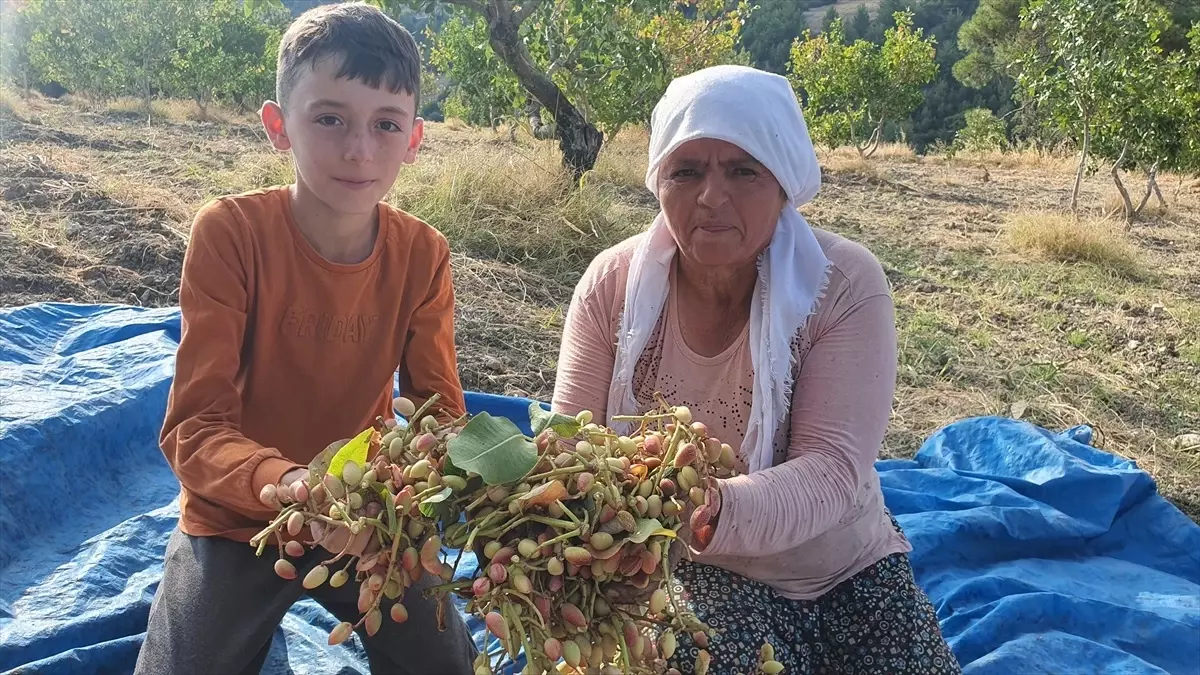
(1041, 553)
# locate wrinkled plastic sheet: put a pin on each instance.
(1041, 553)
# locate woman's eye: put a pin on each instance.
(743, 172)
(389, 126)
(328, 120)
(684, 173)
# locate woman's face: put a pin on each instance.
(721, 204)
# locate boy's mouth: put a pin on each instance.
(354, 184)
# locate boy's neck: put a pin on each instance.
(340, 238)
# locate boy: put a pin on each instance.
(299, 303)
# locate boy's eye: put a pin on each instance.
(389, 126)
(328, 120)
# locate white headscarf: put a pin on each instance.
(758, 112)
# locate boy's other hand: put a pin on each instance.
(290, 487)
(335, 539)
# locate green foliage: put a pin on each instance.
(989, 40)
(708, 37)
(14, 49)
(201, 50)
(827, 19)
(984, 131)
(851, 90)
(859, 27)
(483, 88)
(771, 29)
(1098, 68)
(224, 54)
(611, 58)
(1185, 82)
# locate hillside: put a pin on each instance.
(95, 207)
(844, 8)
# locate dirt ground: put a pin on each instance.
(95, 207)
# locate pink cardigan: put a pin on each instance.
(816, 517)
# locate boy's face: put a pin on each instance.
(348, 140)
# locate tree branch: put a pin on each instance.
(473, 5)
(528, 7)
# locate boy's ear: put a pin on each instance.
(414, 140)
(272, 121)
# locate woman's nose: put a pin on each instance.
(714, 191)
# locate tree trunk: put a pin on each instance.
(854, 136)
(1087, 138)
(873, 142)
(1151, 186)
(1162, 201)
(1116, 174)
(579, 140)
(538, 126)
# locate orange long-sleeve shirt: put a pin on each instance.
(284, 352)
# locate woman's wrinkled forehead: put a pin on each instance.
(707, 149)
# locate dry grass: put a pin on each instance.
(173, 110)
(1062, 237)
(11, 103)
(854, 165)
(511, 203)
(886, 152)
(623, 160)
(251, 170)
(455, 124)
(1023, 159)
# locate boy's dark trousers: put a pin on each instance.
(218, 606)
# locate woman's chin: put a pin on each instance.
(717, 253)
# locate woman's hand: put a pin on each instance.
(702, 520)
(628, 594)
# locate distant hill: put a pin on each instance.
(845, 9)
(413, 20)
(299, 6)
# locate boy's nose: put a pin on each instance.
(359, 147)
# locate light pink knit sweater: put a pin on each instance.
(817, 516)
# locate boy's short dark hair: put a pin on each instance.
(374, 48)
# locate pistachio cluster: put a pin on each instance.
(573, 545)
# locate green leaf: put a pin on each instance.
(494, 449)
(432, 506)
(649, 527)
(355, 450)
(448, 469)
(541, 419)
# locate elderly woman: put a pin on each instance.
(781, 338)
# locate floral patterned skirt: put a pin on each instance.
(878, 622)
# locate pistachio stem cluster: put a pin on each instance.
(574, 557)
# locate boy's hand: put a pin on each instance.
(330, 537)
(285, 492)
